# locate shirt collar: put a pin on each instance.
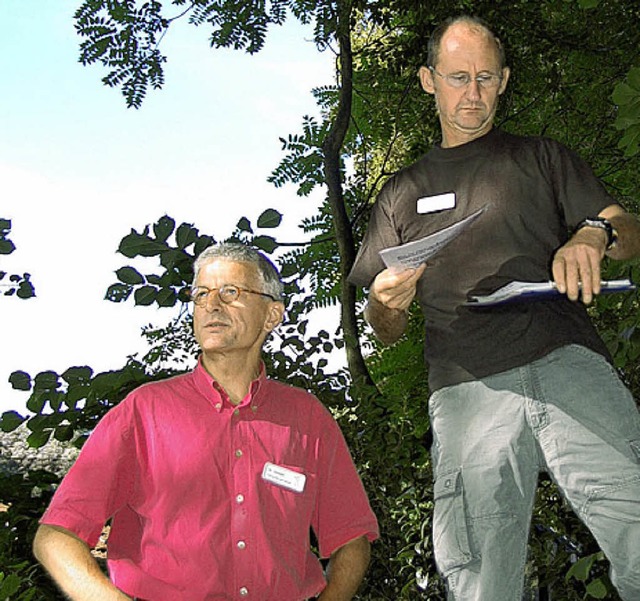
(208, 386)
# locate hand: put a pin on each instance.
(578, 263)
(396, 289)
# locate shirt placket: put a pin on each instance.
(243, 544)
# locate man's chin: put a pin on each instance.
(473, 126)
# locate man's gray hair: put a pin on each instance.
(433, 49)
(232, 251)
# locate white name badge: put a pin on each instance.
(282, 476)
(439, 202)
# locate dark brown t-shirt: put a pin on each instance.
(534, 192)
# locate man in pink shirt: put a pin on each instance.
(213, 479)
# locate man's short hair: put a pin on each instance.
(242, 253)
(433, 48)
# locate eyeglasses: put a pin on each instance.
(227, 293)
(486, 81)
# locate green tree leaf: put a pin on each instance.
(118, 293)
(20, 380)
(130, 276)
(166, 297)
(64, 433)
(163, 228)
(269, 219)
(265, 243)
(46, 380)
(25, 288)
(36, 402)
(75, 376)
(10, 420)
(633, 77)
(145, 295)
(9, 585)
(186, 235)
(597, 589)
(581, 569)
(136, 244)
(244, 225)
(39, 439)
(6, 247)
(623, 94)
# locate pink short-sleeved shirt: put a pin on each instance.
(195, 517)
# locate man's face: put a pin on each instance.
(467, 112)
(242, 325)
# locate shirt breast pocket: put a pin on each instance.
(287, 509)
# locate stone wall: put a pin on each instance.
(16, 456)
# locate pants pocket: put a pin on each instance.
(450, 530)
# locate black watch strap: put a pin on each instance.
(602, 223)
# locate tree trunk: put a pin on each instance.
(332, 147)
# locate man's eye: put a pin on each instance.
(460, 78)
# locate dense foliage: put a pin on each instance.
(576, 77)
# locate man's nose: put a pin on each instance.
(213, 301)
(473, 89)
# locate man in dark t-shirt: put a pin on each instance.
(518, 387)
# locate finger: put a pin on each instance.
(596, 276)
(572, 279)
(390, 279)
(557, 269)
(399, 298)
(566, 275)
(589, 266)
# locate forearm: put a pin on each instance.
(388, 324)
(346, 570)
(627, 246)
(71, 565)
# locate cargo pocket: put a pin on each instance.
(450, 531)
(635, 447)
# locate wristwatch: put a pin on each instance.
(603, 224)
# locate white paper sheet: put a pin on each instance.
(413, 254)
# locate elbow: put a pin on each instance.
(388, 327)
(387, 338)
(37, 547)
(50, 541)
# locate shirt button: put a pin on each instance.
(244, 591)
(238, 453)
(254, 408)
(241, 545)
(239, 498)
(236, 412)
(218, 406)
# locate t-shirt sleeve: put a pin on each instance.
(343, 512)
(579, 192)
(381, 233)
(100, 481)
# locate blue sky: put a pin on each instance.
(78, 170)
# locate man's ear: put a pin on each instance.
(426, 80)
(505, 78)
(275, 314)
